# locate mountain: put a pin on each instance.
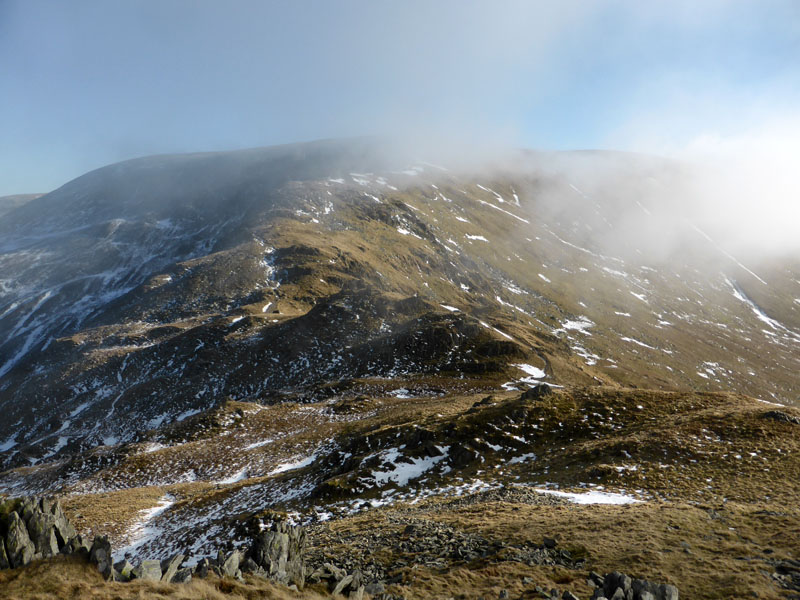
(9, 203)
(331, 329)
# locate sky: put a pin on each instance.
(86, 83)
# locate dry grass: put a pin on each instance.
(110, 513)
(65, 578)
(713, 552)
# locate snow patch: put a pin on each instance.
(591, 497)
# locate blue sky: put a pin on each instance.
(86, 83)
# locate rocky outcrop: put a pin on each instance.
(19, 546)
(100, 555)
(148, 570)
(33, 528)
(537, 392)
(280, 553)
(169, 567)
(340, 581)
(787, 574)
(36, 528)
(618, 586)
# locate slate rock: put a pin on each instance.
(170, 566)
(280, 552)
(777, 415)
(668, 592)
(77, 545)
(19, 547)
(100, 555)
(65, 531)
(248, 565)
(568, 596)
(25, 508)
(338, 574)
(182, 576)
(375, 588)
(202, 568)
(357, 594)
(537, 392)
(149, 570)
(45, 504)
(41, 529)
(616, 580)
(342, 585)
(4, 564)
(230, 565)
(123, 570)
(595, 579)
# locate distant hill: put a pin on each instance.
(9, 203)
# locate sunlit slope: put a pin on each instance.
(282, 273)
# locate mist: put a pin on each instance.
(713, 89)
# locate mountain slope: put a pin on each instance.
(347, 338)
(147, 291)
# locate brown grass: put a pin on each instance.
(728, 546)
(66, 578)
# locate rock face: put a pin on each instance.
(38, 528)
(539, 391)
(170, 567)
(618, 586)
(19, 546)
(100, 554)
(280, 553)
(149, 570)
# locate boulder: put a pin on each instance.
(342, 585)
(230, 565)
(100, 555)
(536, 392)
(279, 552)
(357, 594)
(123, 571)
(4, 564)
(375, 588)
(19, 547)
(64, 529)
(667, 592)
(182, 576)
(45, 505)
(149, 570)
(202, 568)
(26, 509)
(617, 581)
(169, 567)
(595, 579)
(647, 590)
(77, 545)
(41, 529)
